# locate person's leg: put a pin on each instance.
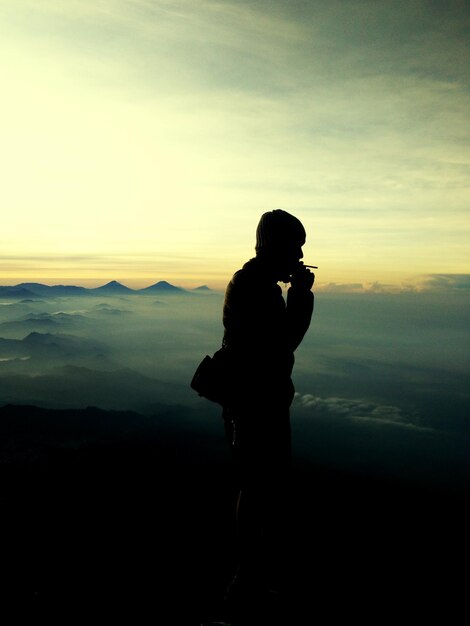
(277, 501)
(249, 534)
(243, 591)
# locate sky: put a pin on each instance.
(142, 140)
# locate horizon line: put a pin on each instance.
(457, 282)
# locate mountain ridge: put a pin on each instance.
(113, 287)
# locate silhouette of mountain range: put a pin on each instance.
(112, 288)
(55, 290)
(15, 292)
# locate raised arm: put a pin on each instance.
(300, 301)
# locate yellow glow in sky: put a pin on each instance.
(142, 141)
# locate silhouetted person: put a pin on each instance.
(262, 331)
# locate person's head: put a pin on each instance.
(279, 239)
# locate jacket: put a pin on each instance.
(262, 331)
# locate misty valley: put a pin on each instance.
(381, 379)
(111, 351)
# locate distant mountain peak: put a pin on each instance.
(114, 285)
(162, 285)
(202, 288)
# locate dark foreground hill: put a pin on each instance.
(111, 515)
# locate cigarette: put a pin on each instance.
(315, 267)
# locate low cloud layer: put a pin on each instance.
(431, 282)
(363, 410)
(448, 282)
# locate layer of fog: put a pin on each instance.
(381, 379)
(113, 352)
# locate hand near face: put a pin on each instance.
(302, 278)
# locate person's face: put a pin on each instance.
(287, 260)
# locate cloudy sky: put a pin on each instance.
(142, 139)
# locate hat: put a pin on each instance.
(278, 228)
